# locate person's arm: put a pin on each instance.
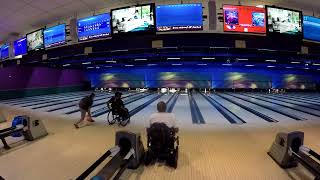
(109, 102)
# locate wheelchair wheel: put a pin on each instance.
(111, 119)
(147, 158)
(172, 160)
(124, 122)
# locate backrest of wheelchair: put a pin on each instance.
(160, 136)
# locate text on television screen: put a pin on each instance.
(179, 17)
(133, 19)
(94, 27)
(246, 19)
(55, 36)
(20, 46)
(311, 28)
(4, 51)
(35, 40)
(284, 21)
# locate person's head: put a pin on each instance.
(118, 95)
(92, 95)
(161, 107)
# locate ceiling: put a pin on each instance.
(19, 16)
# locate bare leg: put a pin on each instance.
(89, 115)
(83, 115)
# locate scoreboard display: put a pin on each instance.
(94, 27)
(20, 46)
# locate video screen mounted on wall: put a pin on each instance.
(55, 36)
(311, 28)
(35, 40)
(244, 19)
(179, 17)
(133, 19)
(284, 21)
(20, 46)
(94, 27)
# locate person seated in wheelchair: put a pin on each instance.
(117, 106)
(162, 140)
(162, 116)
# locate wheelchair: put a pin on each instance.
(162, 145)
(114, 116)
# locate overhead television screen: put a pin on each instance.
(55, 36)
(35, 40)
(133, 19)
(284, 21)
(4, 51)
(311, 28)
(246, 19)
(94, 27)
(179, 17)
(20, 46)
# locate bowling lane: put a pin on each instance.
(247, 116)
(62, 101)
(296, 102)
(182, 111)
(142, 117)
(278, 107)
(130, 106)
(55, 99)
(75, 102)
(42, 97)
(76, 106)
(296, 98)
(272, 114)
(306, 113)
(210, 114)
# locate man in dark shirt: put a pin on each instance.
(85, 106)
(117, 105)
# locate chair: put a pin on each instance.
(162, 144)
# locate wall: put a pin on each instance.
(27, 81)
(220, 77)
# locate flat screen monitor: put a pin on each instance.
(94, 27)
(55, 36)
(5, 51)
(179, 17)
(244, 19)
(311, 28)
(35, 40)
(133, 19)
(284, 21)
(20, 47)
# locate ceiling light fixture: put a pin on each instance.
(271, 60)
(140, 59)
(241, 59)
(84, 63)
(173, 58)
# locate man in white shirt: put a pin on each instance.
(162, 116)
